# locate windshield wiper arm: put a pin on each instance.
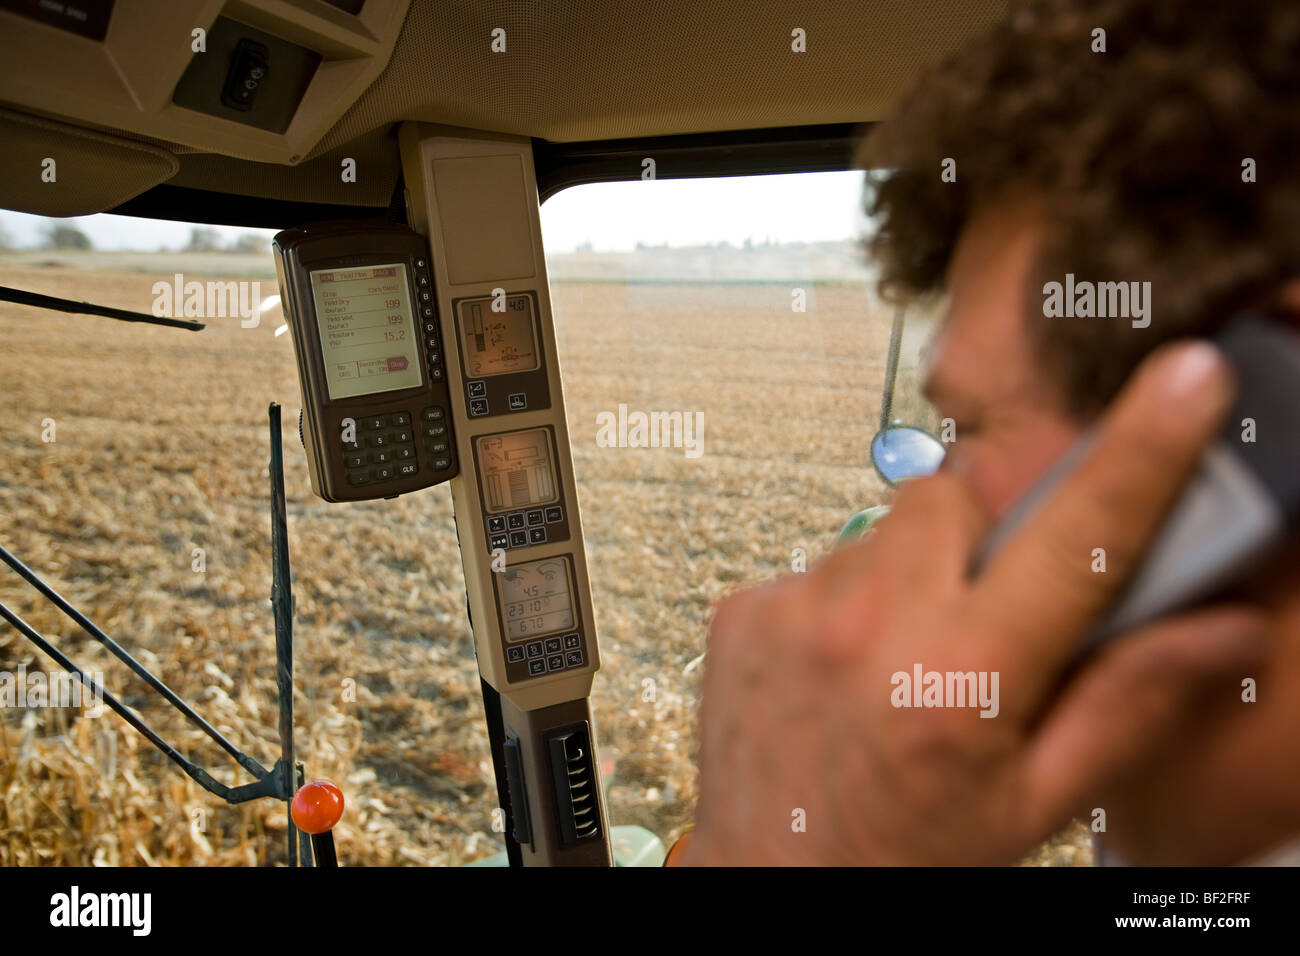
(23, 297)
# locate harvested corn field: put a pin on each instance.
(149, 511)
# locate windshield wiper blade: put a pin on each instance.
(23, 297)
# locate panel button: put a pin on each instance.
(535, 517)
(514, 654)
(536, 535)
(572, 641)
(476, 388)
(554, 513)
(501, 541)
(552, 645)
(430, 342)
(518, 401)
(434, 430)
(515, 521)
(518, 539)
(354, 460)
(430, 328)
(358, 477)
(438, 448)
(434, 413)
(402, 437)
(419, 263)
(372, 424)
(536, 667)
(247, 71)
(407, 468)
(535, 649)
(497, 523)
(478, 407)
(383, 473)
(434, 357)
(435, 374)
(555, 662)
(378, 441)
(380, 457)
(402, 418)
(428, 314)
(441, 464)
(407, 452)
(573, 659)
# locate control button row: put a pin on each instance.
(433, 426)
(521, 520)
(429, 324)
(377, 422)
(505, 540)
(382, 473)
(555, 654)
(385, 439)
(358, 459)
(476, 391)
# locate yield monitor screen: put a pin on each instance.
(517, 469)
(367, 329)
(496, 343)
(535, 598)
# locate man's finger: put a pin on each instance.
(1131, 697)
(1043, 590)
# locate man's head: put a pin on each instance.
(1169, 157)
(1172, 157)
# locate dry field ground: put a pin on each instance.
(162, 448)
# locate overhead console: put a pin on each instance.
(272, 77)
(475, 197)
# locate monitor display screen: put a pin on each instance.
(536, 598)
(496, 343)
(517, 469)
(367, 329)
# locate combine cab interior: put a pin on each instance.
(412, 152)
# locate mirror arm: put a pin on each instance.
(891, 369)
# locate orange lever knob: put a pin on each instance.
(317, 806)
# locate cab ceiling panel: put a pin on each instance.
(272, 77)
(577, 71)
(286, 89)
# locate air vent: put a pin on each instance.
(576, 787)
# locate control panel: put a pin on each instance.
(497, 339)
(475, 196)
(359, 301)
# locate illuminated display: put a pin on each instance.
(367, 329)
(517, 470)
(495, 343)
(535, 598)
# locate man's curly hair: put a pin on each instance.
(1135, 155)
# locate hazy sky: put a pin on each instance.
(613, 216)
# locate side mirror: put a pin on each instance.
(900, 452)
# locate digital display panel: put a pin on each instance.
(495, 343)
(518, 470)
(536, 598)
(367, 329)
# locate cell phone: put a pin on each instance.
(376, 411)
(1241, 504)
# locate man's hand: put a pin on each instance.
(805, 759)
